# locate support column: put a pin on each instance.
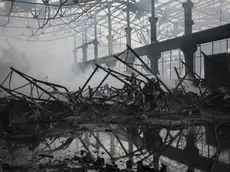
(97, 143)
(153, 56)
(188, 22)
(189, 47)
(75, 49)
(84, 48)
(110, 44)
(84, 52)
(110, 36)
(130, 143)
(128, 31)
(95, 43)
(153, 23)
(112, 144)
(130, 149)
(77, 144)
(110, 64)
(86, 138)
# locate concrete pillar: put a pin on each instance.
(112, 144)
(77, 144)
(153, 23)
(188, 48)
(95, 43)
(130, 146)
(84, 52)
(128, 31)
(153, 56)
(97, 143)
(110, 44)
(110, 36)
(130, 149)
(84, 48)
(75, 50)
(188, 22)
(75, 56)
(86, 138)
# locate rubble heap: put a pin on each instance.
(37, 110)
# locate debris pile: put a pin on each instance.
(37, 110)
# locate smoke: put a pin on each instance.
(169, 83)
(56, 68)
(46, 67)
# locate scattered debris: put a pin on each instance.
(38, 111)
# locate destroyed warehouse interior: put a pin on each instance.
(114, 85)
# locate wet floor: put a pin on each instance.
(197, 148)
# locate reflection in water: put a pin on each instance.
(192, 148)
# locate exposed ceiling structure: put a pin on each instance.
(56, 19)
